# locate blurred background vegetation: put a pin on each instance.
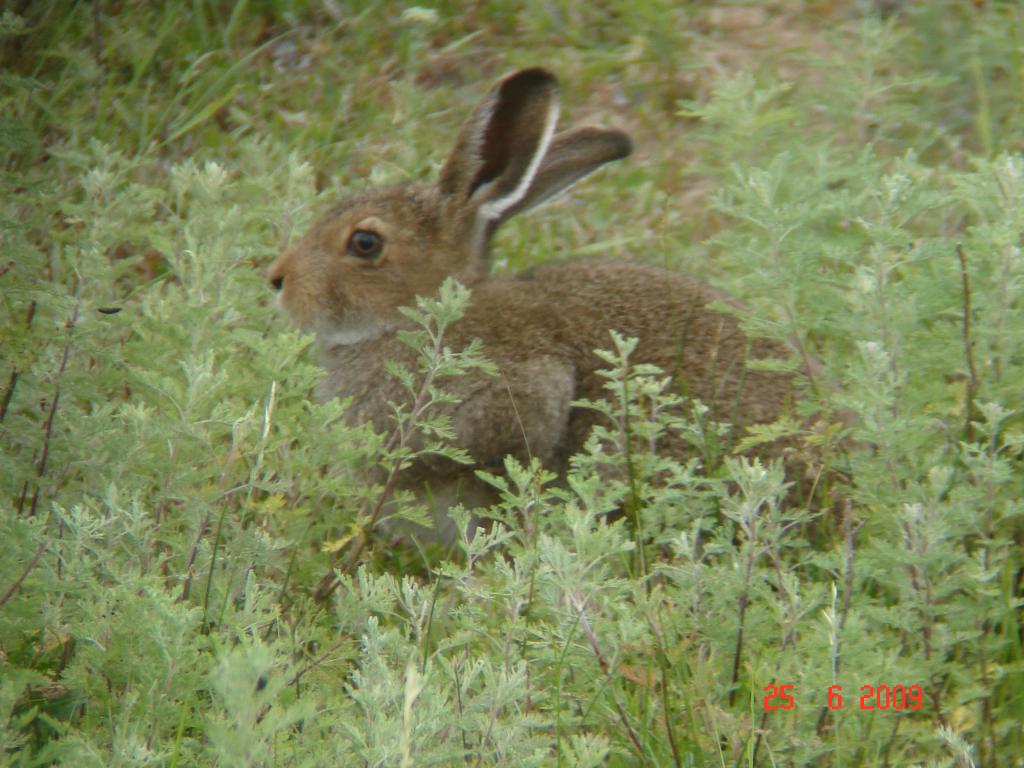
(853, 170)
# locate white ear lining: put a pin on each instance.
(559, 190)
(495, 208)
(480, 129)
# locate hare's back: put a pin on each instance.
(703, 349)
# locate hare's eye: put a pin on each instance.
(364, 244)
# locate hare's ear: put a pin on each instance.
(501, 144)
(572, 156)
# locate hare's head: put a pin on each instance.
(346, 278)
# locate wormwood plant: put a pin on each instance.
(137, 439)
(910, 259)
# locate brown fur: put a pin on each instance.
(540, 329)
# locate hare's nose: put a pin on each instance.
(277, 282)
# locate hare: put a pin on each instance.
(347, 278)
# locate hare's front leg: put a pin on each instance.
(522, 412)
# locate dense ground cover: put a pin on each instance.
(171, 494)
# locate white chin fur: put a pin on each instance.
(348, 334)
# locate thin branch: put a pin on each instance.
(43, 545)
(972, 371)
(606, 668)
(738, 651)
(48, 433)
(633, 505)
(186, 587)
(665, 703)
(41, 469)
(744, 601)
(316, 662)
(8, 393)
(13, 381)
(805, 356)
(850, 531)
(761, 729)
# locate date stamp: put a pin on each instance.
(885, 697)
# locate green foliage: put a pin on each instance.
(172, 493)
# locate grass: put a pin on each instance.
(173, 494)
